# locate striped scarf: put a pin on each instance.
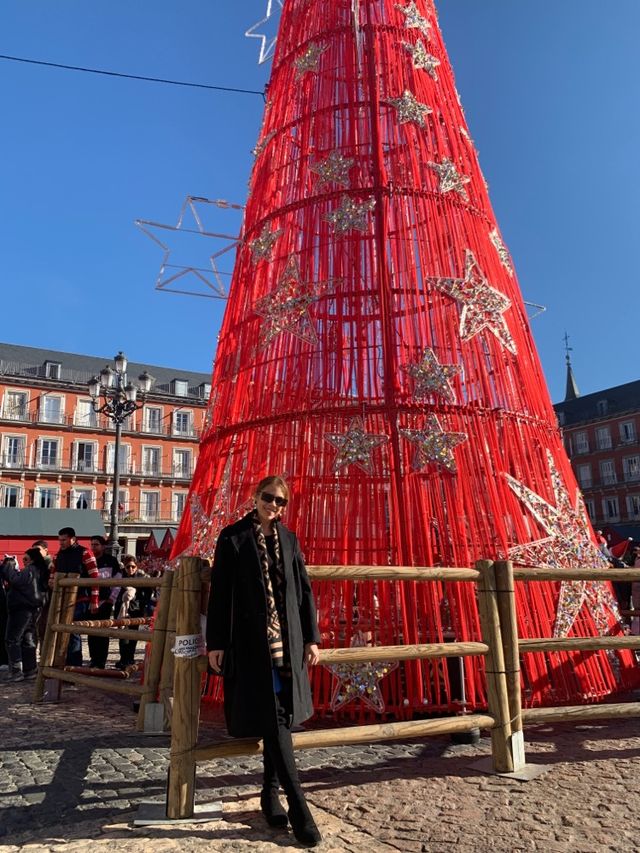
(274, 629)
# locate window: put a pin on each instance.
(180, 387)
(611, 509)
(608, 472)
(124, 466)
(152, 419)
(590, 506)
(603, 438)
(627, 432)
(584, 476)
(151, 461)
(182, 463)
(52, 369)
(581, 442)
(85, 414)
(204, 390)
(11, 496)
(51, 409)
(82, 499)
(46, 497)
(85, 456)
(179, 504)
(603, 407)
(149, 510)
(631, 467)
(123, 503)
(182, 423)
(633, 506)
(14, 455)
(15, 405)
(49, 453)
(568, 445)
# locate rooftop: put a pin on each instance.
(601, 404)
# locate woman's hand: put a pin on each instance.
(311, 654)
(215, 660)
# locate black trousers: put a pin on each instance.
(99, 646)
(128, 648)
(20, 639)
(279, 762)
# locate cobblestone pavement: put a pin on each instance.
(72, 774)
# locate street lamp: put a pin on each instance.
(113, 395)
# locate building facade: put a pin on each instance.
(601, 434)
(56, 452)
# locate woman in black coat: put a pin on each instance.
(261, 634)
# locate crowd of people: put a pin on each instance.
(24, 601)
(627, 592)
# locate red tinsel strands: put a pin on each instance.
(376, 348)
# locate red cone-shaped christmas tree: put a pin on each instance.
(376, 351)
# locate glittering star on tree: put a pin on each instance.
(309, 60)
(450, 179)
(413, 19)
(482, 305)
(421, 58)
(431, 377)
(286, 309)
(568, 544)
(410, 109)
(262, 246)
(334, 169)
(355, 446)
(351, 214)
(501, 249)
(359, 681)
(433, 444)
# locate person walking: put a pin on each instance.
(74, 558)
(108, 567)
(26, 592)
(261, 633)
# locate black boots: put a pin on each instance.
(272, 809)
(302, 823)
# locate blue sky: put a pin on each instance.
(550, 92)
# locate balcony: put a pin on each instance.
(182, 472)
(17, 413)
(13, 460)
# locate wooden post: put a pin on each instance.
(48, 649)
(509, 631)
(186, 696)
(67, 609)
(166, 672)
(497, 697)
(156, 655)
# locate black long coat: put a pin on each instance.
(237, 624)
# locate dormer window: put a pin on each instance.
(52, 369)
(180, 387)
(204, 390)
(603, 407)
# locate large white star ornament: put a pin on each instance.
(267, 42)
(568, 544)
(355, 446)
(432, 378)
(450, 179)
(433, 444)
(482, 305)
(413, 19)
(410, 109)
(359, 682)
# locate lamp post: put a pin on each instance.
(116, 397)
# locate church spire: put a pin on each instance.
(572, 392)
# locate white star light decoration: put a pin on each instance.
(410, 109)
(355, 446)
(359, 681)
(286, 309)
(450, 179)
(432, 378)
(267, 43)
(262, 246)
(351, 214)
(421, 58)
(334, 169)
(413, 19)
(482, 305)
(568, 544)
(433, 444)
(501, 249)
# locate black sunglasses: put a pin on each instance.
(268, 498)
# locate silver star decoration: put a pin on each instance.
(501, 249)
(267, 43)
(568, 544)
(433, 444)
(286, 309)
(450, 178)
(351, 214)
(482, 305)
(431, 377)
(359, 681)
(355, 446)
(421, 58)
(410, 109)
(262, 246)
(309, 60)
(413, 19)
(334, 169)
